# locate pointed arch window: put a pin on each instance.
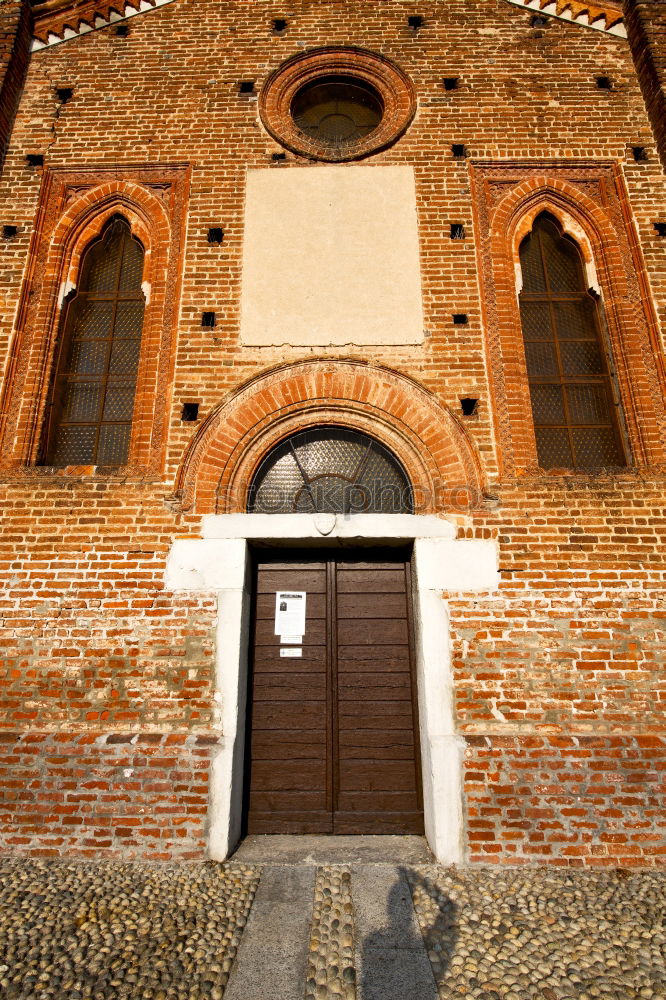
(92, 398)
(573, 405)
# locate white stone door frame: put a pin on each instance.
(220, 561)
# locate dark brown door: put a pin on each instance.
(332, 741)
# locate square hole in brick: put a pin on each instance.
(208, 319)
(190, 412)
(415, 21)
(34, 160)
(457, 231)
(279, 25)
(604, 83)
(9, 232)
(639, 153)
(469, 406)
(122, 30)
(538, 21)
(279, 157)
(64, 94)
(246, 87)
(451, 82)
(660, 228)
(460, 319)
(215, 234)
(458, 150)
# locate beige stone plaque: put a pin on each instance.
(331, 256)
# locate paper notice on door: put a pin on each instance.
(294, 651)
(290, 615)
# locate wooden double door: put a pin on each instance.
(332, 737)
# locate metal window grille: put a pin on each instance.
(337, 111)
(330, 470)
(570, 383)
(92, 398)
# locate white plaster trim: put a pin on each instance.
(84, 27)
(582, 18)
(220, 562)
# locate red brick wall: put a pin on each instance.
(566, 800)
(89, 635)
(571, 647)
(560, 676)
(112, 794)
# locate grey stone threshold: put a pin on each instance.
(311, 850)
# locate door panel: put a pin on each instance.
(332, 736)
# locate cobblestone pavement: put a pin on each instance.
(82, 931)
(331, 952)
(106, 931)
(543, 934)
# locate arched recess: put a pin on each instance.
(616, 273)
(432, 446)
(69, 222)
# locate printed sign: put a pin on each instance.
(293, 651)
(290, 615)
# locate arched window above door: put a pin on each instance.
(573, 405)
(330, 470)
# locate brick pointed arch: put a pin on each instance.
(589, 204)
(425, 436)
(75, 206)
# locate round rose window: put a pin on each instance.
(337, 103)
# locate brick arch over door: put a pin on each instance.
(613, 263)
(426, 437)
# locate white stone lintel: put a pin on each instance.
(314, 527)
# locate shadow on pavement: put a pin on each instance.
(394, 959)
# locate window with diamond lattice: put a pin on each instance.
(331, 470)
(573, 405)
(92, 400)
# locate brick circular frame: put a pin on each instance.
(393, 86)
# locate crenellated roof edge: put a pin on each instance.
(58, 21)
(605, 16)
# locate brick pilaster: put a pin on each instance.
(15, 36)
(646, 27)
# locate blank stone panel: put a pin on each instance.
(331, 256)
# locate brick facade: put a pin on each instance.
(559, 675)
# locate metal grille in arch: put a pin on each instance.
(330, 470)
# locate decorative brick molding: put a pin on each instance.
(606, 17)
(74, 208)
(590, 202)
(61, 20)
(427, 438)
(388, 80)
